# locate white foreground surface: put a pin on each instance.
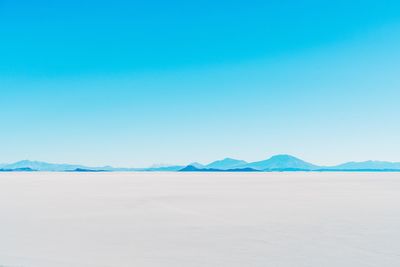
(199, 219)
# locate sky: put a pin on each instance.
(136, 83)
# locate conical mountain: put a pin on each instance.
(227, 163)
(282, 162)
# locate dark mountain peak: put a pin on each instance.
(189, 168)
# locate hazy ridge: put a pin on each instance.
(275, 163)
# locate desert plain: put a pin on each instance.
(149, 219)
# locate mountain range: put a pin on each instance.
(275, 163)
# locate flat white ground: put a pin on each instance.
(199, 219)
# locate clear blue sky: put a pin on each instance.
(131, 83)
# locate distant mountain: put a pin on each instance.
(288, 163)
(17, 170)
(368, 165)
(288, 170)
(197, 165)
(164, 169)
(191, 168)
(86, 170)
(281, 162)
(44, 166)
(227, 163)
(356, 170)
(242, 170)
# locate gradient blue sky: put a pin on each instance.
(132, 83)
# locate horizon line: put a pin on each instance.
(163, 165)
